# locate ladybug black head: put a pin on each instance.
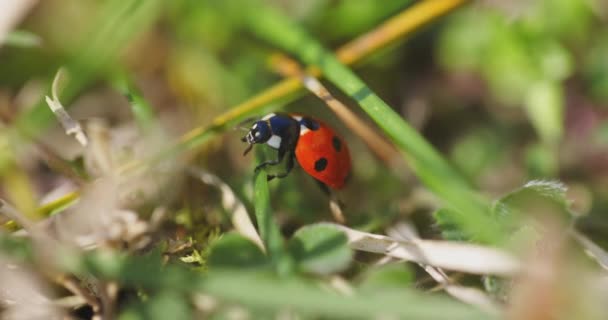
(260, 132)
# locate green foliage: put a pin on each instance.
(15, 248)
(541, 161)
(165, 305)
(387, 276)
(349, 18)
(263, 291)
(479, 150)
(535, 114)
(142, 111)
(117, 22)
(320, 249)
(449, 227)
(525, 58)
(534, 199)
(595, 67)
(234, 251)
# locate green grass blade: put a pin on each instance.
(267, 226)
(268, 293)
(142, 110)
(432, 169)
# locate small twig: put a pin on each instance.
(72, 284)
(70, 302)
(71, 126)
(108, 294)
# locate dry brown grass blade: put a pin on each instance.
(455, 256)
(380, 146)
(235, 208)
(469, 295)
(374, 141)
(592, 249)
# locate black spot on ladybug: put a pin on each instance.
(320, 164)
(337, 143)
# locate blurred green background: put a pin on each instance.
(507, 91)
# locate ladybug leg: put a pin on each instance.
(290, 164)
(280, 156)
(324, 188)
(266, 164)
(330, 194)
(335, 204)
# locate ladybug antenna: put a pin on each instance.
(248, 147)
(245, 124)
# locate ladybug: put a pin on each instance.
(318, 150)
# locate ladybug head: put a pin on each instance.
(260, 132)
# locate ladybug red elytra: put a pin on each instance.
(319, 151)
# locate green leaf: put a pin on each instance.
(595, 68)
(235, 251)
(16, 248)
(320, 249)
(536, 197)
(464, 40)
(541, 161)
(165, 305)
(545, 107)
(449, 226)
(388, 276)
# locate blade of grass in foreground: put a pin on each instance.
(267, 226)
(268, 293)
(264, 291)
(426, 162)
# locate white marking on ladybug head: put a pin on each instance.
(303, 129)
(268, 116)
(274, 141)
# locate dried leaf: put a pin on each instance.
(239, 216)
(444, 254)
